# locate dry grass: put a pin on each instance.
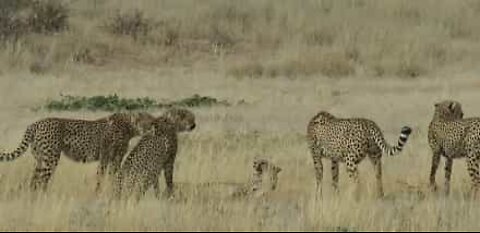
(306, 42)
(222, 148)
(399, 38)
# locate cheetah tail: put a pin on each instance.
(402, 140)
(27, 139)
(393, 150)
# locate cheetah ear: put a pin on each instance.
(278, 169)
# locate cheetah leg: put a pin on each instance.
(352, 171)
(110, 163)
(377, 166)
(145, 185)
(118, 186)
(448, 174)
(156, 189)
(433, 171)
(473, 171)
(168, 174)
(117, 157)
(317, 163)
(335, 175)
(140, 191)
(102, 167)
(44, 168)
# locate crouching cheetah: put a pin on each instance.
(349, 140)
(451, 135)
(105, 139)
(153, 154)
(264, 179)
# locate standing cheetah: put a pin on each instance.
(264, 179)
(349, 140)
(452, 136)
(154, 153)
(105, 139)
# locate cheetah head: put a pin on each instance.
(322, 117)
(267, 171)
(449, 110)
(142, 122)
(183, 119)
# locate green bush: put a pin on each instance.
(115, 103)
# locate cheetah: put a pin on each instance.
(105, 140)
(452, 136)
(349, 140)
(264, 179)
(154, 153)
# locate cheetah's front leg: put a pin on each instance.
(448, 174)
(102, 167)
(168, 174)
(335, 172)
(318, 165)
(433, 171)
(156, 187)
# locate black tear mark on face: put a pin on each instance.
(258, 165)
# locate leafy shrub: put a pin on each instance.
(115, 103)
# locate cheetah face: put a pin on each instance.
(142, 123)
(274, 170)
(183, 119)
(268, 171)
(449, 109)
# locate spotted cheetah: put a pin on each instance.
(349, 140)
(154, 153)
(264, 179)
(452, 136)
(105, 139)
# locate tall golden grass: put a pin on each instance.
(303, 40)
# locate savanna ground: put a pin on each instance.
(384, 60)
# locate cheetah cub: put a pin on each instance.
(153, 154)
(264, 180)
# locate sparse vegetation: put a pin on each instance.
(132, 23)
(388, 61)
(394, 39)
(19, 18)
(47, 16)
